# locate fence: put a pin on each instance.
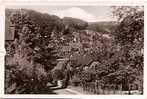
(95, 88)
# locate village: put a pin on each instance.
(46, 54)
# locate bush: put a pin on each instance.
(57, 74)
(75, 81)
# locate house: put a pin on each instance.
(61, 65)
(9, 30)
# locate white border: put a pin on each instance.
(145, 51)
(69, 3)
(2, 49)
(78, 2)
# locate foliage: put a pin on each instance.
(103, 27)
(57, 74)
(120, 12)
(75, 80)
(129, 36)
(75, 23)
(35, 53)
(121, 58)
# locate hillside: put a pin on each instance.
(103, 27)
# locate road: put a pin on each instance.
(65, 91)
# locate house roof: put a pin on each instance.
(9, 30)
(61, 64)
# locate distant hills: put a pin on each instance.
(105, 27)
(66, 23)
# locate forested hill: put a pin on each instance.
(67, 23)
(103, 27)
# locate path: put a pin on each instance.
(65, 91)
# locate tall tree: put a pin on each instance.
(129, 36)
(36, 52)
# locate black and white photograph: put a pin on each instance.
(74, 50)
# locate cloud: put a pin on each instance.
(77, 12)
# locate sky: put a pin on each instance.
(87, 13)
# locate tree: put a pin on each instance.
(35, 53)
(129, 36)
(120, 12)
(75, 23)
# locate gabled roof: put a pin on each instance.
(9, 30)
